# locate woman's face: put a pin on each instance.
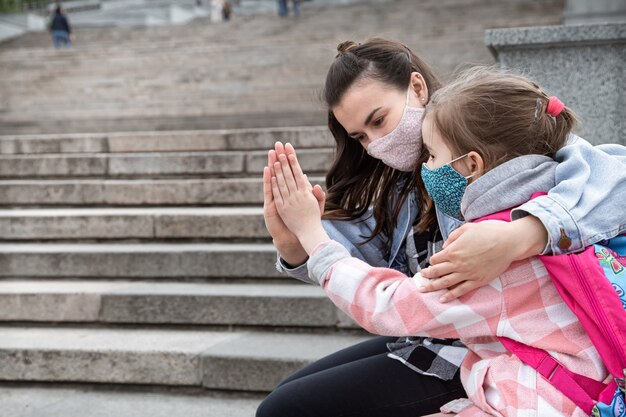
(370, 109)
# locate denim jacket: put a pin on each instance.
(587, 205)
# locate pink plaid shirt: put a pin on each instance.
(522, 304)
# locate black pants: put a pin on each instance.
(360, 381)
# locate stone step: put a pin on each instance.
(158, 192)
(240, 360)
(149, 99)
(177, 141)
(153, 164)
(155, 106)
(159, 121)
(139, 261)
(188, 48)
(215, 304)
(47, 400)
(158, 223)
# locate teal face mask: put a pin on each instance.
(446, 187)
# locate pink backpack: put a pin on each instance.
(592, 283)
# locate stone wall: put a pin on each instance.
(596, 11)
(584, 65)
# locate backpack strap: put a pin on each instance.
(583, 391)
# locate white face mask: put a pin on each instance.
(401, 148)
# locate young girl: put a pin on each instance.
(491, 137)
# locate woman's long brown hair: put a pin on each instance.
(356, 181)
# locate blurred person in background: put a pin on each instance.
(296, 7)
(283, 10)
(60, 29)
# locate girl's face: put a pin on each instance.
(441, 154)
(370, 109)
(438, 149)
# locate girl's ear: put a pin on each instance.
(419, 88)
(475, 165)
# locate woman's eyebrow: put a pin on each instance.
(369, 117)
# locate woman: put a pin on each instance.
(60, 29)
(376, 208)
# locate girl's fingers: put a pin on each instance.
(289, 150)
(278, 198)
(287, 174)
(302, 181)
(280, 180)
(279, 148)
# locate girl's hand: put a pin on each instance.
(285, 241)
(477, 253)
(296, 203)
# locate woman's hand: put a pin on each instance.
(285, 241)
(477, 253)
(296, 202)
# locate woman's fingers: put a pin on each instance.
(319, 194)
(461, 289)
(439, 270)
(456, 233)
(271, 160)
(455, 283)
(268, 197)
(446, 281)
(443, 256)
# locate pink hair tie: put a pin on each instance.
(555, 106)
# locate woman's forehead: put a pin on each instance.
(364, 96)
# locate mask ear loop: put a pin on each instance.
(454, 160)
(460, 157)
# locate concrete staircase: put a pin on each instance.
(137, 277)
(156, 273)
(256, 71)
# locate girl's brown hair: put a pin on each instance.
(356, 181)
(498, 114)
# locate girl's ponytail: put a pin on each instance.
(553, 121)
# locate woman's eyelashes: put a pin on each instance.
(378, 122)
